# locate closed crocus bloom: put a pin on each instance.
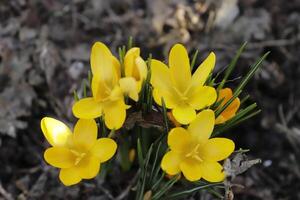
(108, 98)
(135, 73)
(79, 154)
(193, 153)
(182, 92)
(225, 95)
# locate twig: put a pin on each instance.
(128, 188)
(5, 194)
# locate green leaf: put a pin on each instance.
(194, 59)
(231, 66)
(176, 195)
(75, 95)
(166, 121)
(250, 74)
(130, 42)
(166, 187)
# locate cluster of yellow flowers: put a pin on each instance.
(192, 151)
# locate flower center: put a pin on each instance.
(79, 156)
(181, 95)
(194, 153)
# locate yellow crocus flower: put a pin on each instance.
(135, 73)
(182, 92)
(79, 154)
(108, 97)
(230, 111)
(193, 153)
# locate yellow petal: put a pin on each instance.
(85, 134)
(180, 67)
(217, 149)
(141, 67)
(88, 167)
(69, 176)
(205, 68)
(104, 149)
(170, 163)
(129, 60)
(114, 114)
(212, 171)
(160, 76)
(225, 95)
(60, 157)
(129, 87)
(184, 114)
(56, 132)
(116, 94)
(87, 108)
(169, 98)
(201, 97)
(191, 169)
(203, 125)
(102, 63)
(117, 67)
(179, 139)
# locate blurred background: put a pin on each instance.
(44, 55)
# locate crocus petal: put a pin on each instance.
(170, 163)
(160, 76)
(114, 114)
(191, 169)
(184, 114)
(201, 97)
(141, 67)
(129, 86)
(180, 67)
(69, 176)
(87, 108)
(129, 60)
(56, 132)
(85, 134)
(225, 95)
(203, 125)
(169, 98)
(117, 67)
(102, 63)
(205, 68)
(212, 171)
(217, 149)
(60, 157)
(229, 112)
(104, 149)
(88, 167)
(179, 139)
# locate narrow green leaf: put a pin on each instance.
(245, 99)
(90, 78)
(231, 66)
(194, 59)
(250, 74)
(176, 195)
(166, 187)
(130, 42)
(76, 98)
(165, 116)
(84, 89)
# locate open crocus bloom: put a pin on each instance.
(193, 153)
(78, 155)
(225, 95)
(135, 73)
(108, 97)
(182, 92)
